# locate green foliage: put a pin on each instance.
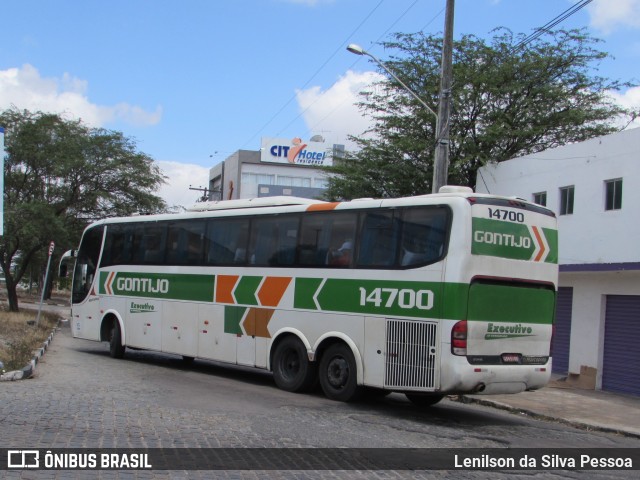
(59, 176)
(506, 102)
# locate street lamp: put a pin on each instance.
(358, 50)
(441, 155)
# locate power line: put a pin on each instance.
(552, 23)
(359, 59)
(316, 72)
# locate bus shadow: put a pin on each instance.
(176, 362)
(394, 406)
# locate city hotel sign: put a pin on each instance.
(295, 152)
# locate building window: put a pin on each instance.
(566, 200)
(613, 194)
(540, 198)
(320, 183)
(258, 179)
(287, 181)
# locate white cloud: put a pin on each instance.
(606, 15)
(333, 112)
(24, 88)
(179, 177)
(629, 99)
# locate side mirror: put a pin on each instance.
(67, 258)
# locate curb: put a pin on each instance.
(540, 416)
(29, 369)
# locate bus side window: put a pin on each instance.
(149, 244)
(423, 235)
(273, 241)
(379, 232)
(118, 245)
(326, 239)
(185, 242)
(226, 241)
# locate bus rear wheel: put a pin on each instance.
(292, 370)
(339, 374)
(116, 349)
(424, 400)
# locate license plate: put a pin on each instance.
(511, 358)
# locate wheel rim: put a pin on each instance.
(338, 372)
(290, 365)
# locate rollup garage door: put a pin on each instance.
(621, 363)
(562, 332)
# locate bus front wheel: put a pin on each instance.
(338, 374)
(116, 349)
(292, 370)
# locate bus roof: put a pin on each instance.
(280, 201)
(273, 205)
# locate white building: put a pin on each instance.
(594, 189)
(290, 167)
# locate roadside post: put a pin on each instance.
(52, 245)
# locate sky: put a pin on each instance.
(193, 81)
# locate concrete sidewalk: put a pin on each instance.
(558, 401)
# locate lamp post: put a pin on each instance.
(441, 158)
(358, 50)
(441, 155)
(438, 155)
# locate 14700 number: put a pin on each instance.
(392, 297)
(502, 214)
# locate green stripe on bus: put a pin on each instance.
(552, 238)
(305, 289)
(191, 287)
(512, 240)
(245, 291)
(380, 297)
(232, 318)
(455, 301)
(510, 304)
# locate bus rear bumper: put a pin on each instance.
(495, 379)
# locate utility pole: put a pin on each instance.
(441, 160)
(205, 193)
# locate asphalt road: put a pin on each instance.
(82, 398)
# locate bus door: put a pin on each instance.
(85, 305)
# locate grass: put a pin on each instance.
(18, 339)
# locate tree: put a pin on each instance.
(59, 176)
(507, 101)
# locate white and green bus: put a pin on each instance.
(428, 295)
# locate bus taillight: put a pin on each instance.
(459, 338)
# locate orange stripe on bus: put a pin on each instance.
(109, 282)
(319, 207)
(540, 242)
(256, 322)
(272, 290)
(224, 288)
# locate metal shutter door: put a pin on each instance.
(621, 363)
(562, 334)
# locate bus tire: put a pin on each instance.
(116, 349)
(424, 400)
(292, 370)
(339, 374)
